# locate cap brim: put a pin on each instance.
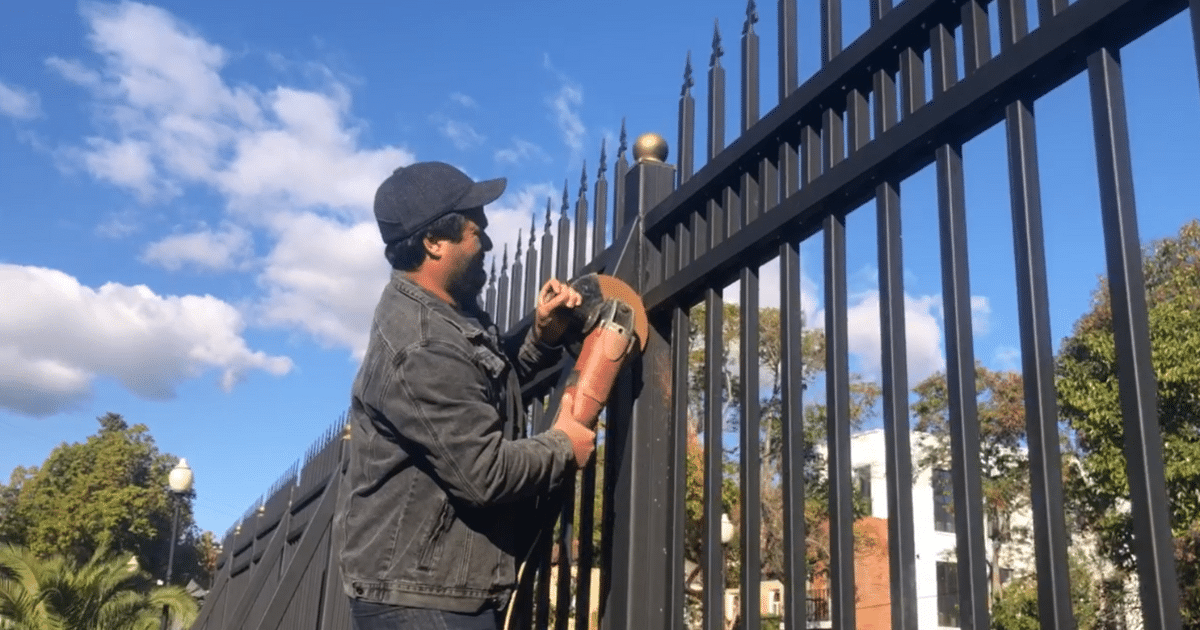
(482, 193)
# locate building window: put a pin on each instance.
(947, 594)
(943, 494)
(862, 481)
(775, 606)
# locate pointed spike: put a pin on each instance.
(493, 278)
(717, 51)
(603, 159)
(532, 229)
(504, 264)
(583, 180)
(622, 147)
(687, 76)
(517, 258)
(565, 204)
(547, 226)
(751, 18)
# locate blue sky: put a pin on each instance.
(185, 191)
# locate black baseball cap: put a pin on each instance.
(414, 196)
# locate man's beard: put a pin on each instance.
(470, 282)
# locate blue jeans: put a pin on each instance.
(372, 616)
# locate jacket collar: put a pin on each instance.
(460, 319)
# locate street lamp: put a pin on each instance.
(180, 482)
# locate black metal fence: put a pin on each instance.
(849, 135)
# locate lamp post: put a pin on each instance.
(180, 482)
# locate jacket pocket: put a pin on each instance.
(431, 555)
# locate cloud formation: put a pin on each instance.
(57, 337)
(18, 103)
(212, 250)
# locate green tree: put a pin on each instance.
(1087, 384)
(104, 593)
(1004, 465)
(108, 492)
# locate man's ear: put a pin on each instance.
(434, 247)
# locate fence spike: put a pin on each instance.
(583, 180)
(603, 159)
(624, 143)
(688, 82)
(717, 52)
(751, 18)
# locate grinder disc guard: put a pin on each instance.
(597, 290)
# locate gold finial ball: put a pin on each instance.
(650, 147)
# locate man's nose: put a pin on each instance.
(486, 240)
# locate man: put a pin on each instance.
(433, 505)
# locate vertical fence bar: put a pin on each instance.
(858, 121)
(1041, 409)
(516, 307)
(960, 358)
(677, 576)
(490, 300)
(912, 82)
(547, 268)
(749, 442)
(789, 81)
(977, 42)
(714, 553)
(529, 300)
(1153, 544)
(716, 132)
(791, 322)
(687, 124)
(581, 216)
(837, 373)
(1037, 353)
(620, 170)
(502, 294)
(600, 206)
(563, 264)
(894, 373)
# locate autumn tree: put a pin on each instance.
(1004, 464)
(1088, 393)
(108, 492)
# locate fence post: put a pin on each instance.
(638, 591)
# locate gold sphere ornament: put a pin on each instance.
(650, 147)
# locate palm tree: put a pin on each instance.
(55, 593)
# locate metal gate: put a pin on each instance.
(849, 135)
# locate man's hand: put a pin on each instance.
(583, 439)
(555, 301)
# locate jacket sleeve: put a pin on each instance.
(438, 404)
(530, 357)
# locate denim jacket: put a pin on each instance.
(432, 504)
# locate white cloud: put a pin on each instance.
(461, 134)
(19, 103)
(324, 277)
(464, 100)
(58, 336)
(564, 109)
(520, 151)
(176, 122)
(228, 248)
(288, 163)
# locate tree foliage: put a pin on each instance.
(104, 593)
(1087, 382)
(1004, 464)
(108, 492)
(864, 395)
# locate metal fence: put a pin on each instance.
(848, 136)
